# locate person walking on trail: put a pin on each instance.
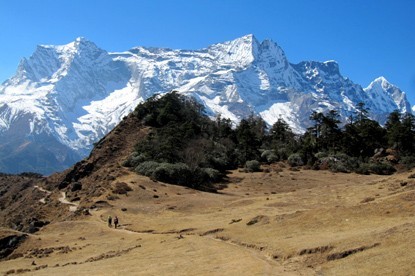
(115, 222)
(109, 221)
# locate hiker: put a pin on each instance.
(115, 222)
(109, 221)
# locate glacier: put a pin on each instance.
(65, 98)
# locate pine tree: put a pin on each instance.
(394, 130)
(250, 134)
(408, 134)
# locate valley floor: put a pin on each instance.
(279, 222)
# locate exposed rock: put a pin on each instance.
(76, 186)
(9, 243)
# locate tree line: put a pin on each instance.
(186, 147)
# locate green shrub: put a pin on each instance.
(339, 167)
(127, 162)
(336, 163)
(343, 163)
(147, 168)
(408, 161)
(269, 156)
(178, 173)
(295, 160)
(212, 174)
(218, 162)
(137, 159)
(364, 168)
(283, 153)
(382, 168)
(134, 159)
(252, 166)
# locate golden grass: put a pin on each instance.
(281, 222)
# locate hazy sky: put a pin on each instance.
(368, 38)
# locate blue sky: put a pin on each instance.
(368, 38)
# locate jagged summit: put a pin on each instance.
(78, 43)
(245, 50)
(381, 82)
(240, 52)
(81, 39)
(73, 94)
(384, 94)
(50, 63)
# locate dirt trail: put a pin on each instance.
(73, 205)
(42, 190)
(43, 200)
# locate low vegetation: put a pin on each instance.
(185, 147)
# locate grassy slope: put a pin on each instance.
(299, 220)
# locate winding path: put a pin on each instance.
(43, 200)
(73, 206)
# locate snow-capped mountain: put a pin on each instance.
(383, 95)
(64, 98)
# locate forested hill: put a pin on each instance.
(185, 147)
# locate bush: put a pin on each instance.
(147, 168)
(218, 162)
(339, 167)
(364, 168)
(134, 159)
(269, 156)
(252, 166)
(343, 163)
(137, 159)
(178, 173)
(408, 161)
(295, 160)
(336, 163)
(212, 174)
(283, 153)
(382, 168)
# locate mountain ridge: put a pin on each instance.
(76, 93)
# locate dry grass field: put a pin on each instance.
(276, 222)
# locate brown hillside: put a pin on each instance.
(103, 166)
(29, 198)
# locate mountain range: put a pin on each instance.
(65, 98)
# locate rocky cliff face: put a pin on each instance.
(64, 98)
